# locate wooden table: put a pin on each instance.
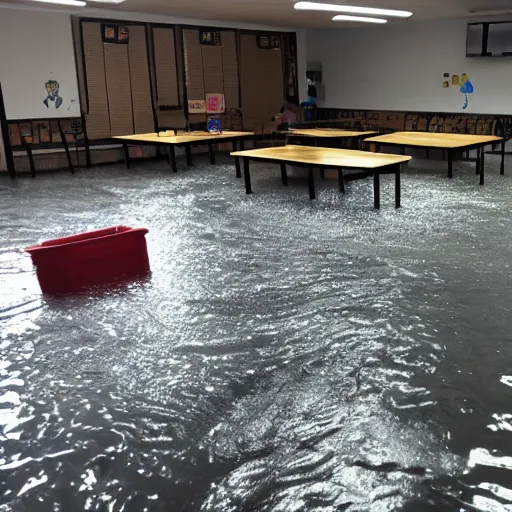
(186, 139)
(331, 134)
(450, 142)
(326, 158)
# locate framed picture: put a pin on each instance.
(215, 104)
(210, 37)
(109, 33)
(196, 106)
(123, 35)
(115, 34)
(263, 42)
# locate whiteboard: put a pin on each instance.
(401, 67)
(37, 47)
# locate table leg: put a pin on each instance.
(502, 170)
(398, 191)
(341, 181)
(66, 147)
(478, 160)
(284, 175)
(188, 153)
(87, 152)
(311, 184)
(247, 177)
(482, 166)
(237, 167)
(31, 160)
(212, 154)
(238, 172)
(450, 164)
(241, 145)
(172, 158)
(126, 155)
(376, 190)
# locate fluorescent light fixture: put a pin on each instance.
(363, 19)
(351, 9)
(74, 3)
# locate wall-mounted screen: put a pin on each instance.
(500, 39)
(489, 39)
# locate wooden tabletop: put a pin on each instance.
(184, 138)
(324, 157)
(434, 140)
(331, 133)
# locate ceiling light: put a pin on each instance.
(314, 6)
(364, 19)
(74, 3)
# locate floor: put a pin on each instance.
(285, 355)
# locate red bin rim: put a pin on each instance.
(84, 238)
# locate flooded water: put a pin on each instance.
(285, 355)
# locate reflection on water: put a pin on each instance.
(285, 355)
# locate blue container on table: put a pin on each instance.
(214, 125)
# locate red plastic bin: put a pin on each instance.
(97, 258)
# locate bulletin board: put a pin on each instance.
(38, 80)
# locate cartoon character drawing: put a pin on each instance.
(467, 89)
(52, 89)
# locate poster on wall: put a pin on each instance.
(196, 106)
(466, 89)
(52, 94)
(215, 104)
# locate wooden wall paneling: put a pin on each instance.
(79, 59)
(230, 69)
(261, 73)
(97, 119)
(174, 118)
(194, 71)
(117, 68)
(213, 77)
(143, 118)
(165, 67)
(193, 65)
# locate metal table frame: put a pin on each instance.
(451, 152)
(389, 169)
(236, 140)
(355, 140)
